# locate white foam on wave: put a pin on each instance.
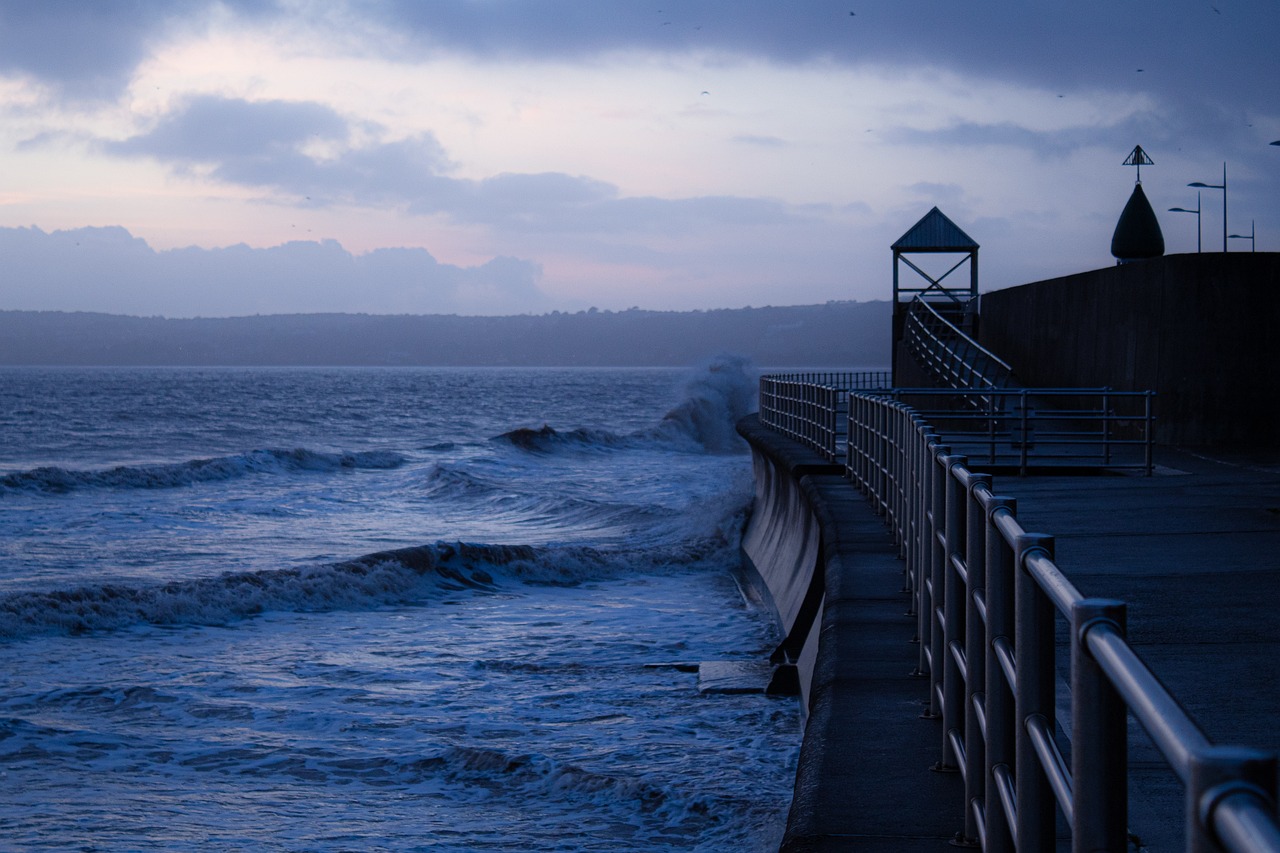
(716, 397)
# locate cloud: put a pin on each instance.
(77, 42)
(85, 47)
(1006, 134)
(108, 269)
(265, 145)
(89, 49)
(213, 129)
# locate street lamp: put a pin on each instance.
(1249, 237)
(1197, 213)
(1223, 187)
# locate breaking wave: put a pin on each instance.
(413, 575)
(716, 397)
(170, 475)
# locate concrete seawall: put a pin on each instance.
(832, 572)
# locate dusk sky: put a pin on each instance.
(194, 158)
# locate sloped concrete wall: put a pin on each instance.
(1202, 331)
(783, 543)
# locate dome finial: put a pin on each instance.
(1138, 158)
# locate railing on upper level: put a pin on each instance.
(986, 594)
(948, 355)
(1016, 428)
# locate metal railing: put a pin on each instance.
(811, 408)
(1044, 427)
(1022, 428)
(986, 594)
(949, 355)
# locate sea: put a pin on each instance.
(438, 609)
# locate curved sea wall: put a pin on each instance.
(782, 545)
(830, 569)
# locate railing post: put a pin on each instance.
(992, 410)
(1025, 415)
(1034, 696)
(913, 436)
(953, 609)
(853, 442)
(1150, 433)
(999, 705)
(1217, 773)
(1106, 428)
(936, 579)
(975, 751)
(1099, 736)
(882, 456)
(901, 437)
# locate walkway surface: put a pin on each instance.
(1195, 552)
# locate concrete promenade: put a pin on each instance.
(1193, 550)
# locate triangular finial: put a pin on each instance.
(1138, 158)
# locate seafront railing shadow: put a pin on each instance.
(987, 594)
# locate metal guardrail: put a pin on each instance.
(986, 594)
(1022, 428)
(1041, 427)
(811, 407)
(949, 355)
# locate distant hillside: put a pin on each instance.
(835, 334)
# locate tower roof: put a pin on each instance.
(934, 233)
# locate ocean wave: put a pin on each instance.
(170, 475)
(462, 487)
(715, 397)
(413, 576)
(540, 775)
(548, 440)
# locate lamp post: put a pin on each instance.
(1223, 187)
(1197, 213)
(1249, 237)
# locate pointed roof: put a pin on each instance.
(935, 233)
(1137, 234)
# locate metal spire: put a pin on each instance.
(1138, 158)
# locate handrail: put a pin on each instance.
(949, 355)
(810, 407)
(1022, 428)
(986, 593)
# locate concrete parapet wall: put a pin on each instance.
(1202, 331)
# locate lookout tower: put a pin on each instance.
(934, 234)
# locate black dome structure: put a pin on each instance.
(1137, 235)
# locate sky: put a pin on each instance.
(192, 158)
